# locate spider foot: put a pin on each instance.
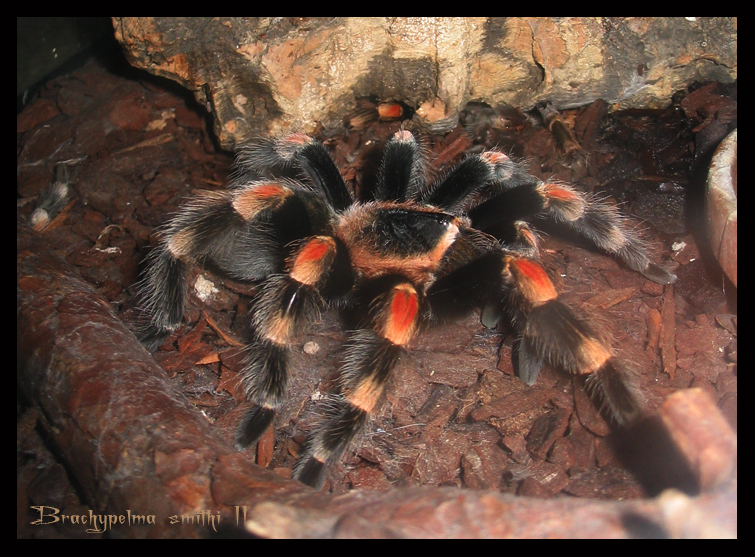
(556, 334)
(253, 425)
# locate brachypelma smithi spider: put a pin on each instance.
(416, 254)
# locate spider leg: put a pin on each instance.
(243, 232)
(297, 151)
(590, 217)
(370, 356)
(461, 187)
(286, 304)
(402, 172)
(551, 332)
(497, 192)
(214, 225)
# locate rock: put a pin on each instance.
(263, 75)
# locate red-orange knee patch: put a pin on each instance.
(298, 138)
(401, 316)
(313, 260)
(494, 157)
(569, 203)
(532, 281)
(249, 203)
(554, 191)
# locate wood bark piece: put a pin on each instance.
(668, 332)
(261, 75)
(703, 436)
(450, 513)
(133, 443)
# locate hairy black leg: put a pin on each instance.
(554, 333)
(297, 151)
(469, 277)
(264, 378)
(402, 172)
(163, 294)
(479, 275)
(206, 221)
(319, 166)
(508, 206)
(283, 308)
(470, 181)
(235, 230)
(610, 231)
(286, 304)
(589, 216)
(370, 356)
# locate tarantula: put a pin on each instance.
(413, 255)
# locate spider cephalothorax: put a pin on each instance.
(415, 254)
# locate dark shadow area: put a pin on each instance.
(640, 527)
(647, 450)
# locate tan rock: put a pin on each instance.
(267, 75)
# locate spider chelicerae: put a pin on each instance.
(415, 254)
